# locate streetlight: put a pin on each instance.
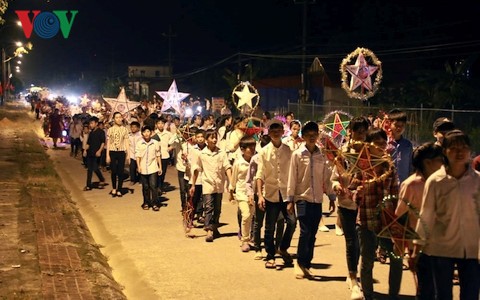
(19, 50)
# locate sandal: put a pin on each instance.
(87, 188)
(145, 206)
(287, 258)
(119, 194)
(270, 264)
(155, 208)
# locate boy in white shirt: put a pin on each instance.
(147, 152)
(238, 189)
(307, 178)
(214, 164)
(163, 136)
(271, 178)
(133, 138)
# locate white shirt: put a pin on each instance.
(164, 137)
(309, 176)
(239, 179)
(177, 142)
(252, 171)
(294, 144)
(133, 139)
(148, 152)
(273, 166)
(193, 156)
(214, 165)
(233, 143)
(449, 218)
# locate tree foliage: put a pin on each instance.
(452, 86)
(3, 10)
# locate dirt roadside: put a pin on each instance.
(46, 249)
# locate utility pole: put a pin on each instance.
(4, 77)
(305, 4)
(170, 35)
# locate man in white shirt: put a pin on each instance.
(271, 178)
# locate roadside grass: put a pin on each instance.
(40, 182)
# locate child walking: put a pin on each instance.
(369, 195)
(133, 138)
(214, 164)
(238, 189)
(347, 208)
(427, 159)
(308, 180)
(93, 151)
(451, 220)
(271, 179)
(148, 155)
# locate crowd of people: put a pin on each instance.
(280, 175)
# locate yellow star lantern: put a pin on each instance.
(361, 72)
(245, 96)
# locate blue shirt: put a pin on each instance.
(401, 151)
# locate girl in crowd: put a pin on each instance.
(294, 140)
(369, 195)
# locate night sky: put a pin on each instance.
(106, 36)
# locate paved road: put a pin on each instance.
(152, 258)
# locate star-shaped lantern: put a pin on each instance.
(397, 228)
(84, 101)
(245, 96)
(172, 98)
(336, 123)
(361, 73)
(338, 127)
(121, 104)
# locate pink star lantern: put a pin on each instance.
(361, 73)
(172, 98)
